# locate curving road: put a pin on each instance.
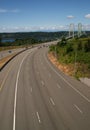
(34, 95)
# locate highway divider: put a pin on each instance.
(6, 60)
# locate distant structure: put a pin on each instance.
(79, 29)
(71, 30)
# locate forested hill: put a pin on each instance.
(23, 38)
(43, 36)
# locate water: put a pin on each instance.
(8, 40)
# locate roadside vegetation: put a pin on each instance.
(74, 53)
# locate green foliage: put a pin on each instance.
(69, 48)
(0, 39)
(28, 38)
(63, 42)
(75, 51)
(19, 42)
(52, 48)
(80, 46)
(40, 36)
(87, 46)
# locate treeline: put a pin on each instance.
(19, 42)
(35, 35)
(38, 35)
(22, 38)
(28, 38)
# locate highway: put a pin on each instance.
(6, 53)
(35, 95)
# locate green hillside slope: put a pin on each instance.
(76, 52)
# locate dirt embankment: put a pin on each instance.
(67, 69)
(6, 59)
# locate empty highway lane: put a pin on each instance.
(35, 95)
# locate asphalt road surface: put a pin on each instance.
(35, 95)
(6, 53)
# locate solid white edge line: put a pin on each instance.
(68, 82)
(78, 108)
(15, 99)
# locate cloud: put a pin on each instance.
(86, 27)
(3, 11)
(87, 16)
(41, 28)
(33, 28)
(70, 16)
(9, 11)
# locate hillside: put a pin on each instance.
(74, 54)
(35, 35)
(28, 38)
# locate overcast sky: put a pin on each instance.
(43, 15)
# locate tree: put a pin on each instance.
(87, 46)
(63, 42)
(0, 39)
(79, 46)
(69, 48)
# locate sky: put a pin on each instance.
(43, 15)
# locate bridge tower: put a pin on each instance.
(79, 29)
(71, 30)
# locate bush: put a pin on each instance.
(87, 46)
(69, 48)
(63, 42)
(79, 47)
